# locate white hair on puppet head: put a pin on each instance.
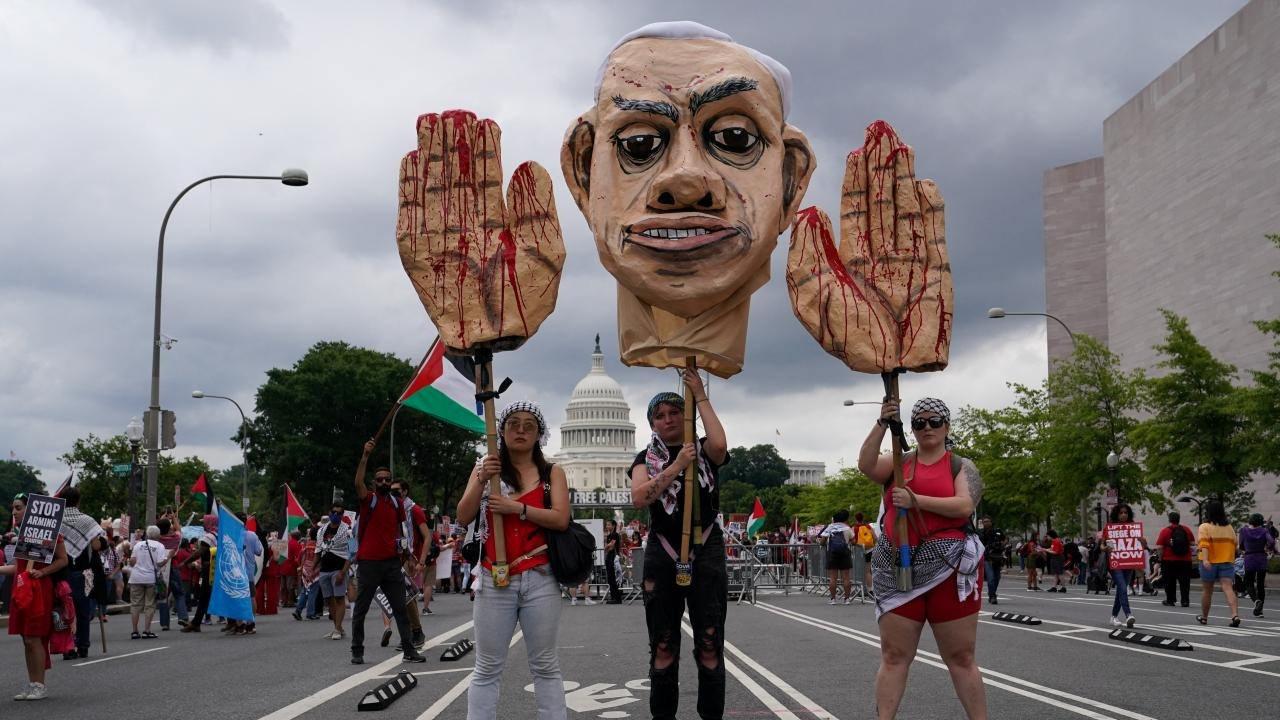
(689, 30)
(528, 407)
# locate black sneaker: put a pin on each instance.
(1257, 608)
(386, 637)
(413, 658)
(1167, 603)
(72, 655)
(995, 601)
(83, 652)
(357, 659)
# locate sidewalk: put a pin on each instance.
(117, 609)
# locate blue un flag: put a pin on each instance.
(231, 593)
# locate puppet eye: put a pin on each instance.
(734, 140)
(639, 146)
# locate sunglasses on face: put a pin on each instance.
(933, 422)
(382, 480)
(517, 426)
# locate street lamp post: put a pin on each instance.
(244, 452)
(133, 432)
(1199, 507)
(1113, 463)
(292, 177)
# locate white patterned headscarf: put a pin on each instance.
(523, 406)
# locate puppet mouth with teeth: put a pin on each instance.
(677, 235)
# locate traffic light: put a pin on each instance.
(148, 429)
(168, 432)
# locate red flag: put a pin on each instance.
(251, 524)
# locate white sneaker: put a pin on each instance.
(1128, 621)
(1115, 620)
(589, 601)
(847, 600)
(573, 601)
(832, 601)
(34, 691)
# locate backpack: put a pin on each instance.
(837, 542)
(866, 538)
(1179, 544)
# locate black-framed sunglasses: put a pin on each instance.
(933, 422)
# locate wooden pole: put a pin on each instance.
(900, 523)
(684, 569)
(484, 387)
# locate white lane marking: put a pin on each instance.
(429, 672)
(1076, 630)
(1005, 681)
(1163, 654)
(1251, 661)
(310, 702)
(117, 657)
(773, 704)
(444, 701)
(809, 705)
(1106, 601)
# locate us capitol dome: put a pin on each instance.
(597, 438)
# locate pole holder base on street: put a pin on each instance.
(1016, 618)
(457, 650)
(381, 697)
(1155, 641)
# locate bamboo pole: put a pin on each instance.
(484, 388)
(684, 569)
(900, 523)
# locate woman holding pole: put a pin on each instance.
(532, 595)
(939, 497)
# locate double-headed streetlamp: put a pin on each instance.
(244, 453)
(293, 177)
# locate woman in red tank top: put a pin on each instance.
(532, 597)
(946, 557)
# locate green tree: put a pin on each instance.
(104, 494)
(314, 418)
(760, 466)
(1194, 440)
(16, 477)
(736, 496)
(1005, 445)
(1090, 407)
(1261, 402)
(848, 489)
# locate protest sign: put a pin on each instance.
(38, 536)
(1125, 543)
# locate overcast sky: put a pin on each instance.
(112, 107)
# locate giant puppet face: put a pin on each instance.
(687, 173)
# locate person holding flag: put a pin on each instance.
(657, 482)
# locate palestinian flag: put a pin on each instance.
(755, 521)
(293, 513)
(201, 495)
(441, 391)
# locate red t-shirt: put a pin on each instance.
(1055, 547)
(379, 527)
(418, 517)
(522, 536)
(932, 480)
(1165, 542)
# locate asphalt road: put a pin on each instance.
(790, 657)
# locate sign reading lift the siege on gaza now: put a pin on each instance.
(1125, 542)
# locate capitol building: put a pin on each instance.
(598, 439)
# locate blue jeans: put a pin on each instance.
(307, 600)
(992, 571)
(1121, 578)
(533, 599)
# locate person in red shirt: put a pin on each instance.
(380, 534)
(1175, 559)
(1056, 562)
(418, 531)
(35, 623)
(532, 594)
(289, 571)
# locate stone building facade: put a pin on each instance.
(1185, 192)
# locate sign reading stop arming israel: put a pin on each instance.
(1125, 543)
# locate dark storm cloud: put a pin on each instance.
(120, 119)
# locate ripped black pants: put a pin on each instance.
(664, 605)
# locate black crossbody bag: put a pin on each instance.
(572, 551)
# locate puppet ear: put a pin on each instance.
(798, 164)
(575, 159)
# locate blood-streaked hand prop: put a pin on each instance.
(486, 268)
(881, 300)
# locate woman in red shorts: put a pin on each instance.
(34, 623)
(946, 557)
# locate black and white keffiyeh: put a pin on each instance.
(656, 457)
(78, 530)
(528, 407)
(932, 563)
(339, 544)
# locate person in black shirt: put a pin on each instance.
(612, 542)
(657, 481)
(993, 540)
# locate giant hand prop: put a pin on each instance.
(486, 269)
(881, 299)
